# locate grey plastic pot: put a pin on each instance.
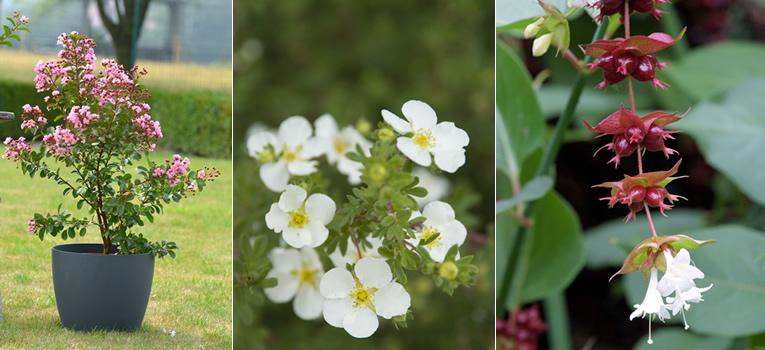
(101, 292)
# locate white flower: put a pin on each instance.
(351, 255)
(263, 145)
(354, 302)
(302, 222)
(653, 304)
(541, 44)
(678, 280)
(439, 219)
(437, 186)
(298, 273)
(337, 143)
(424, 137)
(533, 28)
(294, 149)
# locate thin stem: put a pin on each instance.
(626, 19)
(571, 58)
(650, 218)
(516, 265)
(632, 94)
(640, 159)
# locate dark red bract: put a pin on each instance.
(522, 330)
(612, 7)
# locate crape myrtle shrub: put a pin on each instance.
(194, 122)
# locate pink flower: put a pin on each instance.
(24, 19)
(159, 172)
(31, 226)
(32, 117)
(177, 169)
(201, 174)
(60, 142)
(81, 116)
(15, 148)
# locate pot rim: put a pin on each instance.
(58, 249)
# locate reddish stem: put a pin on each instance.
(640, 159)
(650, 218)
(626, 19)
(632, 94)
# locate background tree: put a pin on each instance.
(125, 29)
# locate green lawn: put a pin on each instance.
(191, 294)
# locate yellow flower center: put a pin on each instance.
(306, 275)
(290, 156)
(362, 297)
(427, 233)
(266, 155)
(423, 139)
(298, 218)
(340, 147)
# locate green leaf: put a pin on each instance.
(511, 11)
(521, 128)
(725, 65)
(736, 266)
(731, 136)
(533, 190)
(679, 339)
(557, 251)
(608, 244)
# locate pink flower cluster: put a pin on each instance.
(177, 169)
(146, 128)
(31, 226)
(15, 147)
(81, 116)
(114, 86)
(60, 142)
(32, 117)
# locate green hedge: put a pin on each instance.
(193, 122)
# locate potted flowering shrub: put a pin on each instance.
(102, 129)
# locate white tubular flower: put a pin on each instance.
(351, 255)
(298, 273)
(678, 280)
(337, 143)
(541, 44)
(354, 302)
(653, 304)
(302, 222)
(297, 147)
(437, 186)
(423, 137)
(439, 219)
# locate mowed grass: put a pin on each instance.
(19, 66)
(191, 294)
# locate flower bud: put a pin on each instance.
(378, 173)
(448, 271)
(363, 126)
(654, 196)
(385, 134)
(541, 44)
(533, 29)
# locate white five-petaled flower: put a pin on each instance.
(423, 137)
(437, 186)
(353, 254)
(354, 302)
(440, 220)
(337, 143)
(302, 222)
(678, 280)
(290, 152)
(653, 304)
(298, 273)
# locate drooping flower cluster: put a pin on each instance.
(363, 284)
(612, 7)
(104, 130)
(628, 58)
(522, 330)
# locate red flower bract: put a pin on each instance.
(634, 56)
(612, 7)
(630, 130)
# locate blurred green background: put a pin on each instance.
(352, 59)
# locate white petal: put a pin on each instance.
(335, 311)
(320, 207)
(292, 198)
(452, 233)
(336, 283)
(438, 252)
(449, 160)
(297, 238)
(285, 289)
(308, 303)
(258, 141)
(276, 219)
(401, 126)
(420, 114)
(313, 148)
(302, 167)
(361, 323)
(275, 175)
(295, 131)
(416, 153)
(326, 127)
(311, 258)
(437, 186)
(319, 234)
(285, 260)
(448, 136)
(373, 272)
(438, 213)
(392, 300)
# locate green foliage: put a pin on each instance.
(193, 122)
(10, 31)
(731, 135)
(678, 339)
(533, 190)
